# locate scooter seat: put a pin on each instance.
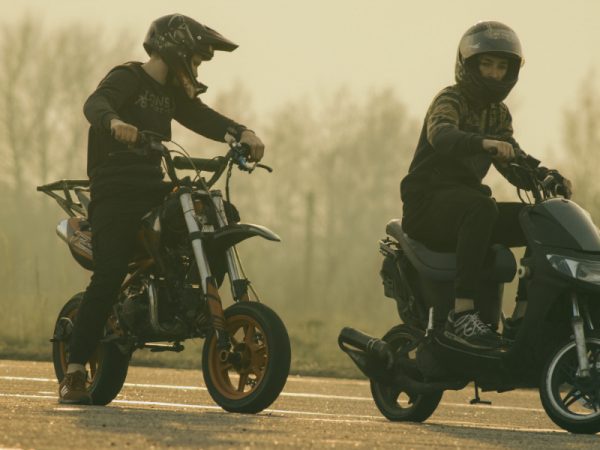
(442, 266)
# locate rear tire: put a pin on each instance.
(259, 336)
(106, 368)
(395, 404)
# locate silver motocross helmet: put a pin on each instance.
(176, 38)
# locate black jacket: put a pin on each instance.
(450, 151)
(130, 94)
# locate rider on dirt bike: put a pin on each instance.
(126, 183)
(445, 205)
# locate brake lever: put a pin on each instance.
(240, 158)
(264, 166)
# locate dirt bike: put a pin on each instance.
(556, 348)
(171, 292)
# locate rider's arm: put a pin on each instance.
(110, 95)
(443, 127)
(200, 118)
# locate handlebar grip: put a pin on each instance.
(547, 181)
(203, 164)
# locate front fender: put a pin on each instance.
(232, 234)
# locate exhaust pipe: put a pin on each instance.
(370, 345)
(375, 358)
(372, 356)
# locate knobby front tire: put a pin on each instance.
(252, 383)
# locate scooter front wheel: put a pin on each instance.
(572, 401)
(254, 378)
(393, 402)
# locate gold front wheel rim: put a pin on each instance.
(237, 380)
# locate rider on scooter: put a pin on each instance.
(445, 205)
(126, 183)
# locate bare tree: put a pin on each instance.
(45, 76)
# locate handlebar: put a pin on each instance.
(541, 182)
(150, 144)
(237, 154)
(201, 164)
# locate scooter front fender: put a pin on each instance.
(233, 234)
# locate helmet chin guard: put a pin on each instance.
(176, 39)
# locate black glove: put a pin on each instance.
(560, 185)
(565, 188)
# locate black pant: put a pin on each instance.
(115, 224)
(465, 221)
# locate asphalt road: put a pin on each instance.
(168, 408)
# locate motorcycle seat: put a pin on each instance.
(439, 266)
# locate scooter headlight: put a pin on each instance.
(581, 269)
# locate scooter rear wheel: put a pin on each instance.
(394, 403)
(572, 402)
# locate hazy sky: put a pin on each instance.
(294, 49)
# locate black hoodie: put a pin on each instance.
(130, 94)
(450, 150)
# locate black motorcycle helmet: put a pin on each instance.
(492, 38)
(176, 38)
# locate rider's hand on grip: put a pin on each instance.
(565, 188)
(502, 152)
(123, 132)
(254, 144)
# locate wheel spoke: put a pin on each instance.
(256, 371)
(260, 351)
(233, 340)
(225, 367)
(589, 401)
(249, 334)
(571, 397)
(242, 382)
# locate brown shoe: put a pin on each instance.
(72, 389)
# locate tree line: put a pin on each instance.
(338, 160)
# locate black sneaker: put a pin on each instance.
(468, 329)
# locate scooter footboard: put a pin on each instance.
(457, 360)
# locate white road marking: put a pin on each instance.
(286, 394)
(320, 417)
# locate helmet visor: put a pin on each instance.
(491, 40)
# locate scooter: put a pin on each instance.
(556, 348)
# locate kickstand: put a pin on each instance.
(477, 399)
